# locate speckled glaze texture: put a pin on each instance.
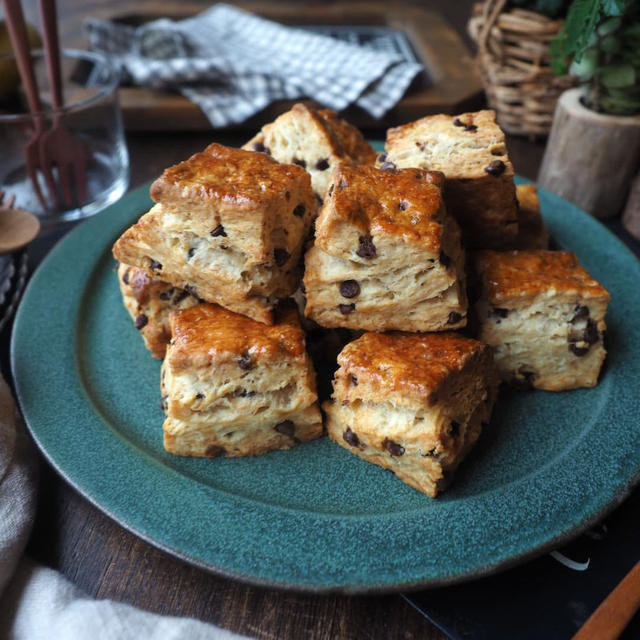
(317, 517)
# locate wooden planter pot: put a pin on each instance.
(591, 158)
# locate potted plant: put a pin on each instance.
(593, 151)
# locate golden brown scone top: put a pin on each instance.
(405, 203)
(346, 139)
(511, 276)
(409, 363)
(208, 334)
(228, 177)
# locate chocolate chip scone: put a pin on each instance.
(412, 403)
(386, 254)
(544, 316)
(232, 386)
(470, 150)
(149, 302)
(229, 227)
(315, 139)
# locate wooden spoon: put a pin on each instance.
(17, 228)
(608, 621)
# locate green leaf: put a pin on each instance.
(580, 24)
(617, 76)
(614, 7)
(608, 26)
(585, 67)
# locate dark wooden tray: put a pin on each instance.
(448, 85)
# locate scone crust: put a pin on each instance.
(406, 204)
(411, 365)
(514, 278)
(345, 138)
(155, 300)
(225, 178)
(210, 335)
(532, 231)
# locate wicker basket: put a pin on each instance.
(513, 56)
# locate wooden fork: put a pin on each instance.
(20, 44)
(58, 147)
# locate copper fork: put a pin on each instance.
(58, 146)
(20, 44)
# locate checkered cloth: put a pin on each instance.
(232, 64)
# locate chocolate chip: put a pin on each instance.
(351, 438)
(346, 309)
(241, 392)
(213, 451)
(523, 381)
(286, 428)
(382, 157)
(578, 351)
(454, 317)
(244, 362)
(591, 335)
(191, 253)
(388, 166)
(579, 312)
(219, 231)
(470, 127)
(393, 448)
(354, 381)
(500, 312)
(260, 148)
(199, 396)
(454, 431)
(322, 164)
(281, 256)
(166, 294)
(125, 277)
(300, 162)
(319, 200)
(366, 248)
(349, 288)
(155, 265)
(141, 321)
(445, 260)
(403, 205)
(299, 210)
(458, 123)
(495, 168)
(330, 192)
(191, 290)
(163, 402)
(180, 296)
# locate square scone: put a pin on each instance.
(544, 316)
(229, 227)
(232, 386)
(386, 254)
(470, 150)
(150, 302)
(315, 139)
(532, 231)
(412, 403)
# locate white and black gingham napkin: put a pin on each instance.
(232, 64)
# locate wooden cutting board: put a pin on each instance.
(449, 83)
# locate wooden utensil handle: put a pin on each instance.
(609, 620)
(22, 51)
(49, 22)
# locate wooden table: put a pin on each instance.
(107, 561)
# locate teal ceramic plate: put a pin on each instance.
(317, 517)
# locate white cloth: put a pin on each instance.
(40, 604)
(233, 63)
